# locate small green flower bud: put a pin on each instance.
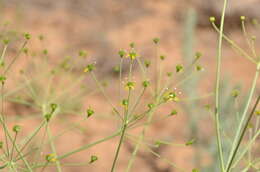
(150, 106)
(190, 142)
(16, 128)
(41, 37)
(27, 36)
(235, 93)
(169, 74)
(257, 112)
(93, 158)
(89, 68)
(53, 107)
(179, 68)
(212, 19)
(116, 69)
(48, 117)
(104, 83)
(147, 63)
(242, 18)
(125, 102)
(122, 53)
(90, 112)
(171, 95)
(83, 53)
(198, 55)
(132, 55)
(253, 38)
(146, 84)
(207, 106)
(2, 63)
(2, 79)
(199, 68)
(132, 45)
(45, 51)
(130, 85)
(1, 144)
(250, 125)
(51, 158)
(25, 51)
(162, 57)
(157, 143)
(255, 21)
(6, 41)
(173, 112)
(156, 40)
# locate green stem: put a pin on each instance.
(119, 147)
(218, 74)
(241, 136)
(53, 148)
(244, 116)
(88, 145)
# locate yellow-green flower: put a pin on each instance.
(130, 85)
(132, 55)
(51, 157)
(89, 68)
(171, 96)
